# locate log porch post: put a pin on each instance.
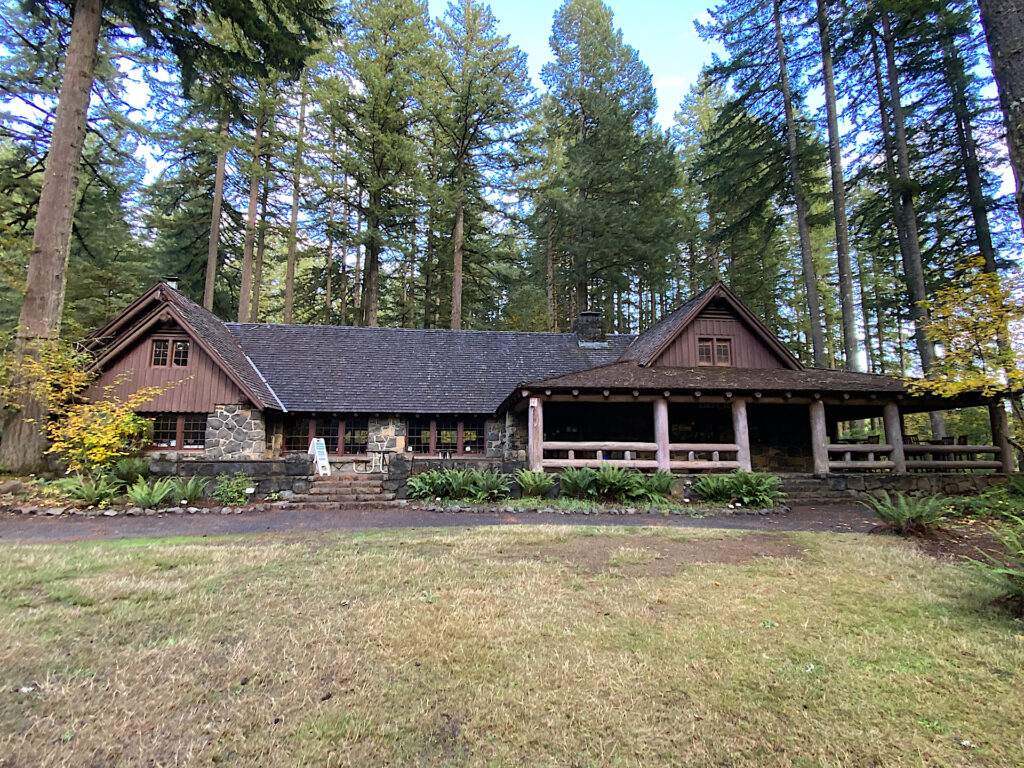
(741, 436)
(661, 434)
(1000, 431)
(819, 438)
(536, 434)
(894, 436)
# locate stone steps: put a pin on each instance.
(347, 489)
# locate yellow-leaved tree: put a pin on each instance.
(976, 323)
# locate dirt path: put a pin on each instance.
(844, 519)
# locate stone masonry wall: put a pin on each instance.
(515, 436)
(235, 432)
(493, 439)
(386, 434)
(925, 483)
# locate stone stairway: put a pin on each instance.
(346, 489)
(807, 490)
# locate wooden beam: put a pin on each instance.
(740, 433)
(597, 445)
(705, 464)
(1000, 435)
(661, 437)
(631, 464)
(535, 440)
(724, 447)
(819, 438)
(881, 464)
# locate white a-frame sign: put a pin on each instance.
(318, 449)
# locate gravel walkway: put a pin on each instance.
(20, 528)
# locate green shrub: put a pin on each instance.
(91, 491)
(129, 469)
(426, 485)
(234, 489)
(908, 515)
(149, 496)
(714, 488)
(534, 483)
(617, 483)
(1007, 572)
(190, 489)
(489, 485)
(756, 489)
(658, 485)
(456, 484)
(578, 482)
(990, 503)
(1015, 486)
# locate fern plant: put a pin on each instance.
(578, 482)
(149, 496)
(534, 483)
(489, 486)
(658, 486)
(129, 469)
(714, 488)
(91, 491)
(617, 483)
(908, 515)
(426, 485)
(756, 489)
(189, 490)
(1006, 572)
(457, 484)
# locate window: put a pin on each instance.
(714, 351)
(179, 430)
(418, 435)
(165, 430)
(447, 436)
(473, 436)
(160, 347)
(357, 435)
(296, 435)
(180, 354)
(328, 430)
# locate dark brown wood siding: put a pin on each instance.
(748, 351)
(203, 384)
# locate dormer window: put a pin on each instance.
(170, 352)
(714, 351)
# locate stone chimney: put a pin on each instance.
(589, 327)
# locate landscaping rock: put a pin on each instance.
(133, 511)
(149, 512)
(225, 510)
(11, 486)
(192, 510)
(52, 511)
(110, 513)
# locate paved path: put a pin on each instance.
(13, 528)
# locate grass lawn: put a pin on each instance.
(492, 647)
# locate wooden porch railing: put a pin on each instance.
(946, 457)
(866, 456)
(696, 456)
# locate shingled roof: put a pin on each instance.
(409, 370)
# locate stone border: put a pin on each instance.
(512, 509)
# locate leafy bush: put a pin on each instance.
(456, 484)
(234, 489)
(91, 491)
(908, 515)
(534, 483)
(1007, 572)
(578, 482)
(990, 503)
(426, 485)
(618, 483)
(658, 485)
(489, 485)
(189, 490)
(1015, 486)
(714, 488)
(756, 489)
(149, 496)
(129, 469)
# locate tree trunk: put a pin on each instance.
(1003, 21)
(457, 266)
(289, 278)
(261, 247)
(549, 262)
(806, 255)
(328, 298)
(23, 443)
(912, 263)
(846, 303)
(371, 269)
(218, 198)
(245, 289)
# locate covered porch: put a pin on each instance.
(683, 431)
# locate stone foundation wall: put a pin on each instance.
(926, 484)
(515, 437)
(235, 432)
(292, 473)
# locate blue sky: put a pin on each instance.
(661, 30)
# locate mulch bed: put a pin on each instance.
(962, 542)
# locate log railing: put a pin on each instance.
(867, 456)
(637, 455)
(952, 457)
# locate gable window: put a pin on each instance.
(714, 351)
(160, 352)
(178, 430)
(170, 352)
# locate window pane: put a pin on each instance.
(356, 435)
(165, 430)
(447, 435)
(160, 352)
(195, 431)
(418, 432)
(296, 435)
(704, 351)
(328, 430)
(473, 436)
(181, 353)
(722, 352)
